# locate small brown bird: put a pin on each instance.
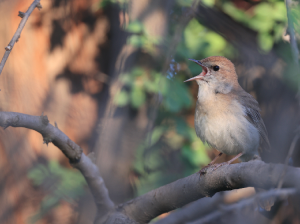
(227, 117)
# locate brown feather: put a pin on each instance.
(252, 112)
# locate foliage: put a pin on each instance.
(172, 135)
(267, 18)
(60, 184)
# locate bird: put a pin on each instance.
(227, 117)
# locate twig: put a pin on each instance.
(24, 16)
(71, 150)
(294, 46)
(278, 194)
(289, 155)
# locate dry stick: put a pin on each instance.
(293, 41)
(24, 16)
(71, 150)
(278, 194)
(289, 155)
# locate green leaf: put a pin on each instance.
(265, 41)
(137, 96)
(135, 27)
(122, 98)
(196, 157)
(185, 3)
(136, 40)
(279, 12)
(156, 134)
(208, 3)
(193, 35)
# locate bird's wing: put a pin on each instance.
(252, 113)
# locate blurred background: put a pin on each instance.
(110, 73)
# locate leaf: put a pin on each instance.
(135, 27)
(121, 99)
(265, 41)
(136, 40)
(196, 157)
(156, 134)
(193, 35)
(137, 96)
(208, 3)
(185, 3)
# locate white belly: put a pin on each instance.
(229, 132)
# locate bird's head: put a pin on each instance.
(217, 71)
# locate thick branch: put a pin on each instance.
(71, 150)
(24, 16)
(193, 211)
(96, 184)
(191, 188)
(49, 132)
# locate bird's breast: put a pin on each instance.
(222, 124)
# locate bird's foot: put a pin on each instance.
(204, 169)
(216, 166)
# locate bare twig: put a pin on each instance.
(24, 16)
(278, 194)
(289, 155)
(291, 31)
(69, 148)
(186, 190)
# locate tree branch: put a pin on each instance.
(49, 132)
(290, 29)
(24, 16)
(71, 150)
(193, 211)
(277, 194)
(97, 186)
(191, 188)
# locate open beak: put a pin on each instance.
(201, 75)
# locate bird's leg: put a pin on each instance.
(215, 159)
(203, 170)
(228, 162)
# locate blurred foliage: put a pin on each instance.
(172, 135)
(59, 183)
(267, 18)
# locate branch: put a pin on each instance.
(71, 150)
(193, 211)
(49, 132)
(96, 184)
(24, 16)
(277, 194)
(183, 191)
(290, 29)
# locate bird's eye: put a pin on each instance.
(216, 68)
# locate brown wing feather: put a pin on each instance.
(252, 113)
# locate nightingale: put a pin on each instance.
(227, 117)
